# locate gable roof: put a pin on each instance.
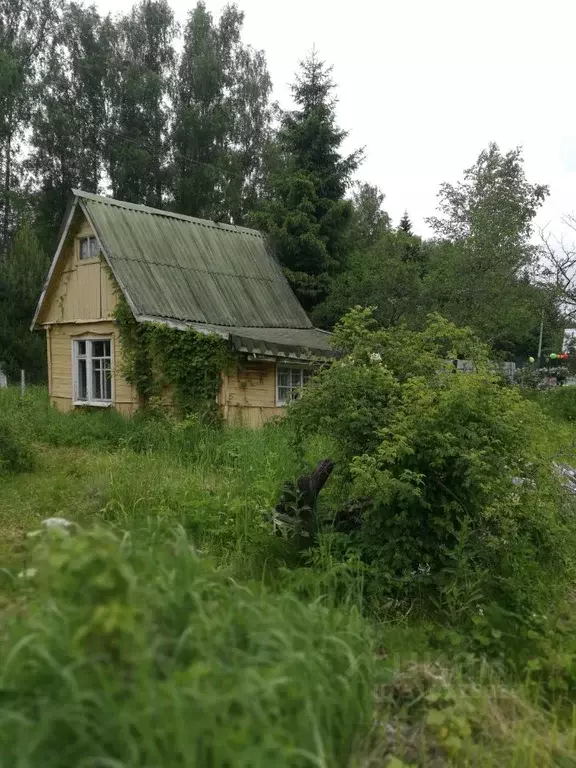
(188, 272)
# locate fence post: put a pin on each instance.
(22, 382)
(3, 378)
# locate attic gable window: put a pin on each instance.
(92, 360)
(289, 382)
(88, 248)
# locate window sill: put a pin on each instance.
(92, 404)
(92, 260)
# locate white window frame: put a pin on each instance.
(81, 238)
(303, 371)
(91, 401)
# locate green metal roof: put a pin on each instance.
(174, 267)
(288, 343)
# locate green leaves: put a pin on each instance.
(305, 213)
(178, 367)
(435, 451)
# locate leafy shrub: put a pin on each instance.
(436, 452)
(16, 455)
(136, 652)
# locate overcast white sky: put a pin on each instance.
(424, 85)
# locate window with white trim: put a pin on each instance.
(289, 382)
(92, 359)
(88, 248)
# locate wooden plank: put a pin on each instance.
(81, 290)
(253, 386)
(61, 361)
(251, 417)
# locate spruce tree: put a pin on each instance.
(405, 224)
(306, 214)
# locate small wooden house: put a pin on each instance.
(178, 271)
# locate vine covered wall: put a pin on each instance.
(158, 359)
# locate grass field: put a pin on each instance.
(171, 628)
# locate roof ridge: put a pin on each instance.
(104, 200)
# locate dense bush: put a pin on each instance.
(437, 452)
(136, 652)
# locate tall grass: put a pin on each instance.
(171, 628)
(136, 652)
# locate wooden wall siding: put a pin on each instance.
(61, 380)
(248, 395)
(82, 290)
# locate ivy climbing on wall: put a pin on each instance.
(163, 362)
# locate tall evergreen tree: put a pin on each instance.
(405, 223)
(306, 214)
(222, 116)
(136, 149)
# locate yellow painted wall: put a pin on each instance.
(248, 395)
(60, 354)
(80, 290)
(80, 302)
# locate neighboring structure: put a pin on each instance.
(183, 272)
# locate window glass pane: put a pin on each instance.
(283, 394)
(107, 374)
(81, 348)
(296, 377)
(283, 377)
(81, 381)
(94, 250)
(97, 379)
(84, 248)
(100, 349)
(306, 376)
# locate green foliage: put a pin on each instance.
(502, 309)
(306, 215)
(221, 117)
(16, 455)
(137, 85)
(369, 220)
(166, 661)
(405, 224)
(386, 276)
(160, 360)
(479, 272)
(26, 32)
(559, 402)
(436, 452)
(70, 121)
(114, 636)
(21, 277)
